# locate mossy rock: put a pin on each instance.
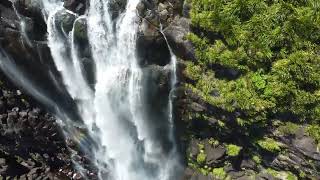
(219, 173)
(233, 150)
(80, 29)
(270, 145)
(64, 21)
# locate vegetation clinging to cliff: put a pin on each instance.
(258, 65)
(261, 56)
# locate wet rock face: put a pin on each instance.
(302, 152)
(30, 14)
(165, 16)
(169, 16)
(116, 7)
(77, 6)
(153, 50)
(64, 22)
(176, 33)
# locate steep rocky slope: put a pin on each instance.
(215, 147)
(32, 145)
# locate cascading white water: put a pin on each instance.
(173, 82)
(113, 111)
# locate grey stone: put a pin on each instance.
(176, 33)
(307, 146)
(214, 153)
(248, 164)
(194, 148)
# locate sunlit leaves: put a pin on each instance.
(273, 45)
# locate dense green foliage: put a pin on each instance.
(269, 53)
(258, 64)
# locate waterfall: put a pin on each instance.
(124, 145)
(173, 82)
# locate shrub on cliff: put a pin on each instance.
(257, 70)
(261, 56)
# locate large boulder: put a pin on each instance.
(64, 21)
(214, 154)
(80, 30)
(307, 146)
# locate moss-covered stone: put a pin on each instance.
(233, 150)
(219, 173)
(80, 29)
(64, 21)
(269, 145)
(288, 128)
(201, 158)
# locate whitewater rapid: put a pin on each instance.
(113, 112)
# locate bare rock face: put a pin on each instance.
(159, 18)
(307, 146)
(176, 33)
